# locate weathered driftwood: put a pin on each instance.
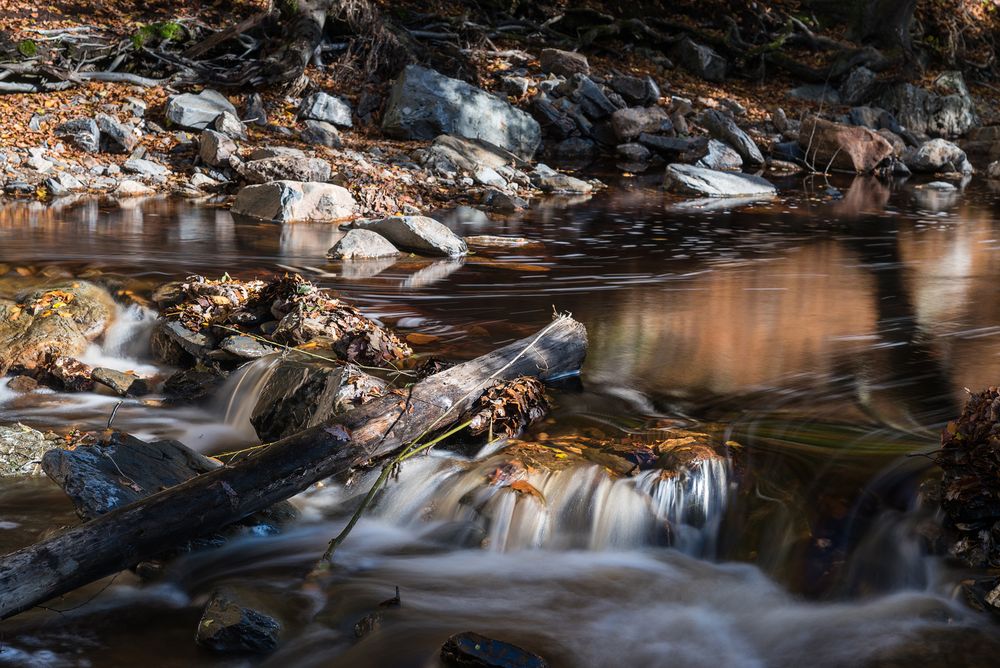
(123, 537)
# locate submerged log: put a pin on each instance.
(123, 537)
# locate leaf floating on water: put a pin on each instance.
(525, 487)
(420, 339)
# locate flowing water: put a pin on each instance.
(831, 333)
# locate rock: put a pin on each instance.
(291, 201)
(148, 169)
(561, 183)
(594, 103)
(557, 123)
(721, 157)
(321, 133)
(230, 125)
(779, 120)
(502, 202)
(298, 395)
(215, 148)
(473, 650)
(563, 63)
(723, 128)
(842, 147)
(195, 344)
(641, 91)
(82, 133)
(634, 152)
(710, 183)
(858, 87)
(69, 373)
(515, 86)
(277, 151)
(22, 448)
(628, 124)
(701, 60)
(285, 168)
(59, 319)
(246, 347)
(320, 106)
(197, 112)
(130, 188)
(255, 112)
(937, 155)
(38, 161)
(124, 384)
(204, 182)
(922, 111)
(993, 171)
(362, 244)
(227, 625)
(575, 148)
(898, 145)
(488, 176)
(819, 93)
(424, 104)
(676, 149)
(191, 385)
(22, 384)
(940, 186)
(420, 234)
(115, 137)
(67, 182)
(468, 155)
(134, 107)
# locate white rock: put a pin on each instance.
(130, 188)
(420, 234)
(197, 112)
(710, 183)
(362, 244)
(292, 201)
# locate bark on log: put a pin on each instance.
(123, 537)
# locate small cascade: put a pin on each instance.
(581, 507)
(125, 345)
(238, 395)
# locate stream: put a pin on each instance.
(830, 333)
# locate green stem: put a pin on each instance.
(410, 451)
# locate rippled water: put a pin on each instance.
(833, 331)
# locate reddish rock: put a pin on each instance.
(842, 147)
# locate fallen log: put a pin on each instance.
(123, 537)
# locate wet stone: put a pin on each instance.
(246, 347)
(227, 625)
(123, 384)
(473, 649)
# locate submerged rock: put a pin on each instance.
(229, 625)
(424, 104)
(292, 201)
(710, 183)
(298, 395)
(474, 650)
(420, 234)
(22, 448)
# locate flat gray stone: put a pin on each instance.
(197, 112)
(292, 201)
(693, 180)
(320, 106)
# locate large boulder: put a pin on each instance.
(724, 128)
(937, 155)
(628, 124)
(847, 148)
(298, 395)
(321, 106)
(285, 168)
(948, 113)
(361, 244)
(693, 180)
(420, 234)
(197, 112)
(701, 60)
(563, 63)
(424, 104)
(292, 201)
(59, 319)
